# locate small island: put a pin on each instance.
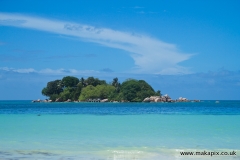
(95, 90)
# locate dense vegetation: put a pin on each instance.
(91, 88)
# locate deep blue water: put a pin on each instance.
(180, 108)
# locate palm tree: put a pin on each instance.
(116, 84)
(82, 81)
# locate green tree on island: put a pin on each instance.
(53, 89)
(94, 81)
(100, 91)
(136, 90)
(70, 81)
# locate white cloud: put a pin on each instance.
(60, 71)
(66, 71)
(21, 70)
(28, 70)
(150, 55)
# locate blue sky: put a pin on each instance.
(183, 48)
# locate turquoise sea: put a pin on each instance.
(118, 131)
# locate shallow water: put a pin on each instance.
(118, 131)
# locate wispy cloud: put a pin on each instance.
(66, 71)
(108, 70)
(60, 71)
(22, 70)
(150, 55)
